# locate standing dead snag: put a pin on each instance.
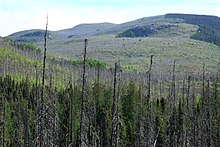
(183, 114)
(209, 140)
(83, 115)
(148, 117)
(49, 116)
(194, 117)
(40, 135)
(3, 116)
(173, 110)
(187, 113)
(113, 141)
(203, 107)
(26, 119)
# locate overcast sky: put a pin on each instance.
(18, 15)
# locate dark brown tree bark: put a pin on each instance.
(187, 113)
(113, 142)
(26, 122)
(83, 115)
(183, 114)
(194, 118)
(40, 137)
(209, 138)
(148, 114)
(203, 109)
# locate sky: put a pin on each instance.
(18, 15)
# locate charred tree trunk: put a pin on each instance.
(194, 116)
(40, 137)
(187, 114)
(113, 142)
(148, 116)
(209, 138)
(26, 122)
(203, 108)
(55, 121)
(83, 115)
(71, 117)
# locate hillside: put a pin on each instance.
(86, 30)
(190, 39)
(168, 102)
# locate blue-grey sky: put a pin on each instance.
(18, 15)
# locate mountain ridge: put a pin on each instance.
(78, 30)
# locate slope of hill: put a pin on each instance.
(168, 37)
(107, 98)
(209, 26)
(87, 30)
(31, 36)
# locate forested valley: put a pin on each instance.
(82, 103)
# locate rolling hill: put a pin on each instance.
(190, 39)
(67, 101)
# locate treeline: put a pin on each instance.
(209, 30)
(203, 20)
(31, 36)
(208, 35)
(143, 31)
(87, 106)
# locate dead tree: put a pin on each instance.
(187, 113)
(113, 140)
(83, 115)
(215, 112)
(55, 120)
(26, 122)
(49, 116)
(40, 135)
(71, 114)
(173, 110)
(209, 137)
(148, 114)
(203, 108)
(183, 114)
(194, 118)
(3, 119)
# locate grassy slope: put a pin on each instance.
(134, 53)
(166, 45)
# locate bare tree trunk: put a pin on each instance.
(71, 117)
(174, 105)
(202, 108)
(83, 115)
(209, 118)
(4, 119)
(40, 137)
(55, 121)
(148, 117)
(187, 114)
(114, 112)
(183, 114)
(49, 116)
(215, 108)
(140, 117)
(194, 115)
(117, 109)
(26, 122)
(37, 113)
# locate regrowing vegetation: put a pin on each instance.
(108, 91)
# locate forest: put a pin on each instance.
(57, 103)
(209, 29)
